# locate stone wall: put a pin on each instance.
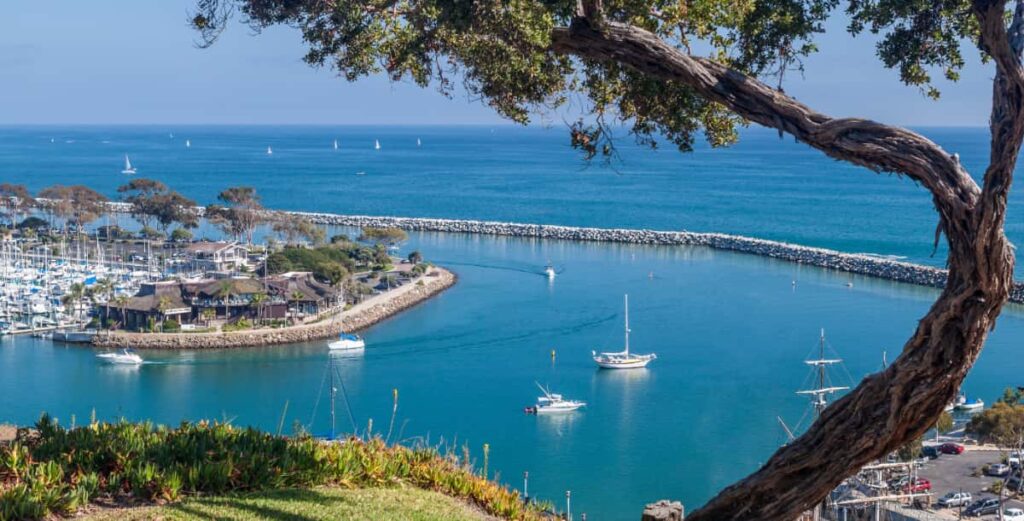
(829, 259)
(359, 317)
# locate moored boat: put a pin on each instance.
(553, 403)
(128, 168)
(623, 359)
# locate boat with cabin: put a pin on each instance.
(125, 357)
(553, 403)
(623, 359)
(347, 342)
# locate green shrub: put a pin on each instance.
(59, 470)
(171, 326)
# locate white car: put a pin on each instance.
(955, 499)
(1013, 514)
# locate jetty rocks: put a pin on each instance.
(868, 265)
(361, 316)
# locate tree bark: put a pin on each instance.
(899, 404)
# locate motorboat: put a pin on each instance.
(961, 399)
(975, 406)
(125, 357)
(553, 403)
(623, 359)
(347, 342)
(549, 270)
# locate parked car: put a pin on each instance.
(1013, 514)
(1014, 459)
(982, 507)
(951, 448)
(955, 499)
(919, 485)
(997, 469)
(930, 451)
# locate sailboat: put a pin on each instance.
(188, 143)
(336, 383)
(128, 168)
(347, 342)
(270, 151)
(335, 144)
(623, 359)
(819, 393)
(376, 144)
(418, 142)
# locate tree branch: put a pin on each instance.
(862, 142)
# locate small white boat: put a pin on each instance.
(270, 151)
(974, 406)
(128, 168)
(418, 142)
(125, 357)
(347, 342)
(553, 403)
(360, 173)
(335, 144)
(549, 270)
(376, 144)
(188, 143)
(960, 400)
(623, 359)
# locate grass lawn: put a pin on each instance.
(370, 504)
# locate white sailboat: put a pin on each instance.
(376, 144)
(128, 168)
(270, 151)
(335, 144)
(188, 143)
(553, 403)
(347, 342)
(418, 142)
(623, 359)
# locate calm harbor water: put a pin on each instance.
(730, 330)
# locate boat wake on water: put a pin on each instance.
(531, 271)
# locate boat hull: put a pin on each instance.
(347, 345)
(623, 364)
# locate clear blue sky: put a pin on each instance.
(106, 61)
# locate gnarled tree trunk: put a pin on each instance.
(890, 408)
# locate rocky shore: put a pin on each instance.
(360, 316)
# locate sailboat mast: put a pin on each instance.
(820, 405)
(333, 391)
(627, 325)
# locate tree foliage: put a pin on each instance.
(153, 202)
(15, 201)
(76, 205)
(385, 236)
(1002, 424)
(241, 213)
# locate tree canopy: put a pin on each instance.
(676, 71)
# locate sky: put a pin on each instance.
(135, 62)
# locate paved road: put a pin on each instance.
(952, 473)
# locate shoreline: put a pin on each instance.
(361, 316)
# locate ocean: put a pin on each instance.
(731, 331)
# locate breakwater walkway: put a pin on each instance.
(823, 258)
(360, 316)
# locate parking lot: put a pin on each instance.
(955, 473)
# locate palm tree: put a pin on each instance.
(73, 298)
(163, 305)
(258, 299)
(207, 315)
(224, 292)
(122, 303)
(296, 296)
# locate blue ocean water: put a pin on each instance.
(731, 330)
(765, 186)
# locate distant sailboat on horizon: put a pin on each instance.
(418, 142)
(128, 168)
(335, 144)
(270, 151)
(376, 144)
(188, 143)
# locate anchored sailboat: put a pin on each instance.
(188, 143)
(128, 168)
(270, 151)
(623, 359)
